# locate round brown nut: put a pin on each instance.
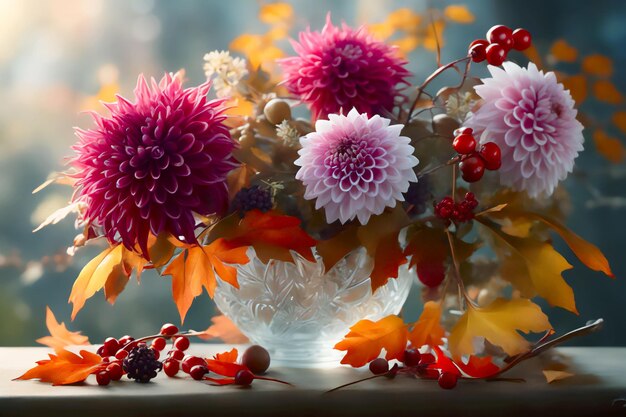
(256, 358)
(445, 125)
(277, 110)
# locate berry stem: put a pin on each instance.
(457, 272)
(155, 336)
(354, 382)
(452, 161)
(264, 378)
(431, 77)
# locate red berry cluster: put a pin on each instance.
(500, 40)
(449, 210)
(474, 162)
(418, 364)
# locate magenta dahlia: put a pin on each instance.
(153, 163)
(344, 68)
(533, 120)
(355, 166)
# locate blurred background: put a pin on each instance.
(58, 58)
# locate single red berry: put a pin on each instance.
(521, 39)
(181, 343)
(428, 373)
(121, 354)
(478, 50)
(244, 377)
(447, 380)
(157, 354)
(496, 54)
(490, 152)
(197, 372)
(169, 329)
(472, 168)
(111, 345)
(106, 359)
(412, 357)
(463, 131)
(190, 361)
(124, 340)
(470, 196)
(431, 274)
(501, 35)
(256, 358)
(159, 343)
(464, 144)
(379, 366)
(427, 359)
(171, 367)
(101, 352)
(115, 371)
(103, 378)
(177, 354)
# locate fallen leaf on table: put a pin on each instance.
(366, 339)
(59, 335)
(223, 328)
(552, 376)
(230, 356)
(65, 368)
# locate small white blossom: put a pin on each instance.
(287, 133)
(459, 105)
(224, 70)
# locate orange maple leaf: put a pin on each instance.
(427, 329)
(59, 335)
(230, 356)
(272, 234)
(223, 328)
(367, 338)
(65, 368)
(196, 268)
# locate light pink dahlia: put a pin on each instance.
(355, 166)
(533, 120)
(153, 163)
(342, 68)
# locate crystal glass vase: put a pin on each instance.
(298, 312)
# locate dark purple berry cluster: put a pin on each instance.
(252, 198)
(142, 364)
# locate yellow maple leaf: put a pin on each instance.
(500, 324)
(427, 329)
(552, 375)
(459, 14)
(367, 338)
(60, 336)
(92, 278)
(273, 13)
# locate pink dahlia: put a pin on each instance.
(355, 166)
(533, 120)
(342, 68)
(153, 163)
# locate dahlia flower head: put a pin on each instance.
(355, 166)
(153, 163)
(343, 68)
(532, 118)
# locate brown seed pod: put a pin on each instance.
(277, 110)
(256, 358)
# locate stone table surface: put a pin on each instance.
(600, 378)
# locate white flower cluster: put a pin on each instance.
(225, 71)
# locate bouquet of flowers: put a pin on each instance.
(460, 187)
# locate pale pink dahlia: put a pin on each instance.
(355, 166)
(533, 120)
(153, 163)
(342, 68)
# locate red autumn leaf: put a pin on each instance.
(367, 338)
(380, 237)
(223, 328)
(65, 368)
(443, 363)
(230, 356)
(272, 235)
(196, 268)
(59, 335)
(478, 367)
(223, 368)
